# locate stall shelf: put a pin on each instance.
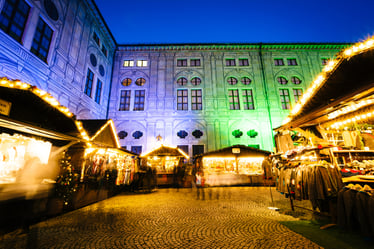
(338, 110)
(234, 165)
(167, 164)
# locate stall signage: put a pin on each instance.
(236, 150)
(5, 107)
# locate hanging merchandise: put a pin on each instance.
(17, 152)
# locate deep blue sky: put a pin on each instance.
(238, 21)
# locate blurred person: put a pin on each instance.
(200, 182)
(212, 183)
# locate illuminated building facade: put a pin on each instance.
(200, 97)
(204, 97)
(62, 47)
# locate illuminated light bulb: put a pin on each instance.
(355, 49)
(319, 79)
(361, 46)
(330, 66)
(288, 119)
(348, 52)
(368, 114)
(370, 43)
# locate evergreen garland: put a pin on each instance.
(67, 181)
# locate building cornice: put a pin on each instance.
(231, 47)
(101, 21)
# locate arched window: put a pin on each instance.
(282, 80)
(232, 81)
(295, 80)
(140, 82)
(246, 81)
(126, 82)
(182, 81)
(195, 81)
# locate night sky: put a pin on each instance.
(238, 21)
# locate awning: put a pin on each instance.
(164, 150)
(347, 81)
(101, 132)
(29, 110)
(37, 131)
(236, 150)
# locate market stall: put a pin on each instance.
(166, 162)
(102, 165)
(337, 112)
(35, 130)
(233, 165)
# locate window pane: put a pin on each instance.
(248, 99)
(282, 80)
(182, 100)
(182, 62)
(295, 80)
(230, 62)
(140, 82)
(98, 91)
(234, 99)
(246, 81)
(278, 62)
(285, 100)
(195, 62)
(182, 81)
(196, 100)
(125, 100)
(292, 62)
(128, 63)
(196, 81)
(139, 100)
(243, 62)
(13, 18)
(232, 81)
(297, 94)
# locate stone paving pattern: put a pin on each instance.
(167, 218)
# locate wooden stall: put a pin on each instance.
(337, 112)
(234, 165)
(167, 163)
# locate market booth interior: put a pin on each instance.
(165, 166)
(235, 165)
(328, 143)
(50, 162)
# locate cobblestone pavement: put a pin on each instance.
(167, 218)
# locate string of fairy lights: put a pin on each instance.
(321, 78)
(17, 84)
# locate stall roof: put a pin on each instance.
(244, 151)
(344, 81)
(101, 132)
(27, 109)
(164, 150)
